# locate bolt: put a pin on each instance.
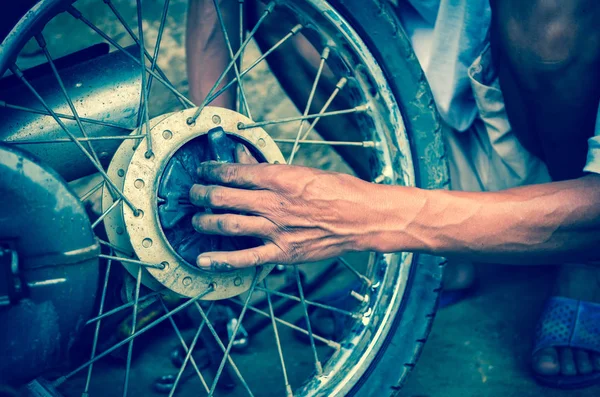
(379, 179)
(366, 315)
(187, 281)
(237, 281)
(216, 119)
(121, 172)
(362, 298)
(139, 213)
(120, 230)
(261, 143)
(165, 265)
(147, 243)
(167, 134)
(139, 183)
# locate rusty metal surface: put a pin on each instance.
(141, 183)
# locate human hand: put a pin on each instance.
(301, 214)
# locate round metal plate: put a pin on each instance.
(141, 182)
(114, 222)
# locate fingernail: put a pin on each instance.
(204, 261)
(245, 149)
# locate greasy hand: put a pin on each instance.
(301, 214)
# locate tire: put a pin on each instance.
(379, 27)
(376, 25)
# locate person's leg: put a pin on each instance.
(548, 58)
(206, 51)
(295, 66)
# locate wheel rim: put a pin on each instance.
(383, 285)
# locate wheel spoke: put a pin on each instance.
(17, 72)
(322, 113)
(181, 307)
(76, 14)
(238, 102)
(234, 334)
(324, 56)
(184, 345)
(310, 303)
(97, 329)
(42, 44)
(108, 211)
(92, 191)
(318, 366)
(328, 342)
(358, 274)
(209, 96)
(67, 140)
(161, 29)
(124, 306)
(138, 284)
(133, 261)
(338, 87)
(139, 41)
(231, 55)
(291, 33)
(366, 144)
(288, 388)
(222, 347)
(144, 93)
(62, 116)
(188, 355)
(114, 247)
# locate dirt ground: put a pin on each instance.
(478, 348)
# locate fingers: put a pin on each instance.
(220, 197)
(243, 155)
(237, 175)
(222, 261)
(233, 225)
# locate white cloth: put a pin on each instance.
(450, 39)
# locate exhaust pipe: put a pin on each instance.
(104, 87)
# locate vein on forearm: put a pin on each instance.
(539, 223)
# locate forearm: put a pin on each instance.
(206, 49)
(541, 223)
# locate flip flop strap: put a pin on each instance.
(567, 322)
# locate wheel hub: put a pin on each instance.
(158, 230)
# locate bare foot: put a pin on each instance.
(578, 282)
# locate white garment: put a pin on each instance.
(450, 39)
